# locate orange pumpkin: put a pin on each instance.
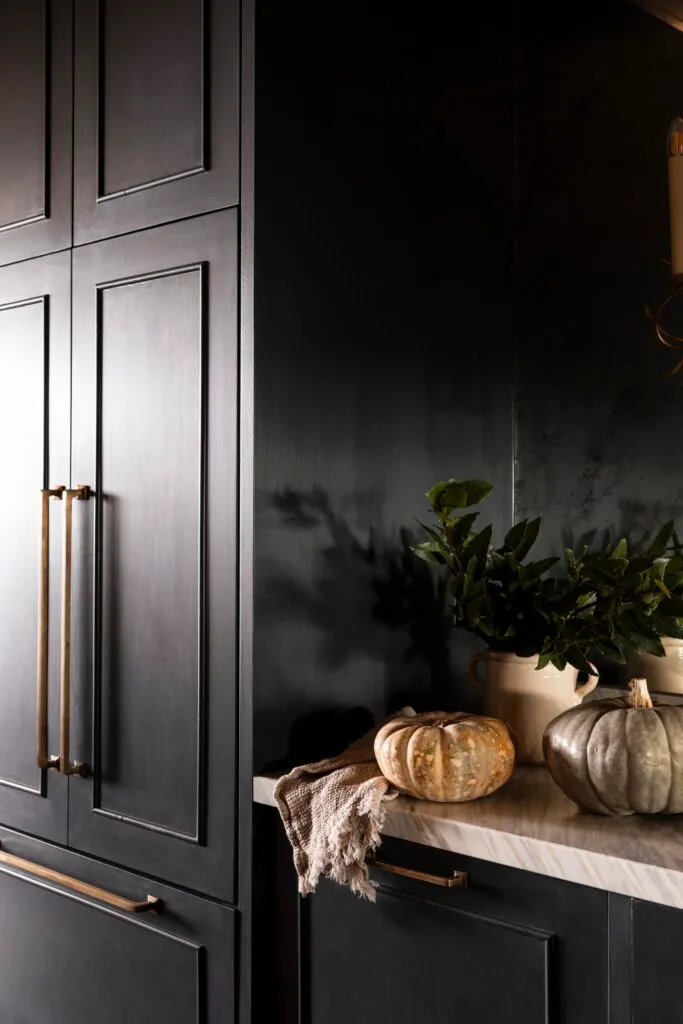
(446, 756)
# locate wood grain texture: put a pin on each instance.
(382, 224)
(156, 429)
(656, 980)
(90, 962)
(35, 309)
(35, 128)
(246, 853)
(509, 938)
(156, 112)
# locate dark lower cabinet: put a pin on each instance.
(655, 979)
(511, 945)
(68, 958)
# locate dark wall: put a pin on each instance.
(598, 423)
(384, 342)
(456, 215)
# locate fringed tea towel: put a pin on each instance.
(333, 812)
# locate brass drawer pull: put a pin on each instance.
(43, 628)
(83, 888)
(66, 766)
(458, 878)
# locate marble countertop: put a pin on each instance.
(530, 824)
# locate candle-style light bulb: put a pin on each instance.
(674, 148)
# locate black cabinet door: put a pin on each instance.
(155, 425)
(654, 977)
(35, 305)
(35, 127)
(69, 958)
(510, 946)
(156, 112)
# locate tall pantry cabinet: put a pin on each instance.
(120, 235)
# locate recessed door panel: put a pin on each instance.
(155, 433)
(151, 475)
(156, 112)
(70, 958)
(35, 127)
(34, 454)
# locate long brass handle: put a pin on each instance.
(43, 629)
(83, 888)
(66, 766)
(458, 878)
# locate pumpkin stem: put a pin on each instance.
(638, 693)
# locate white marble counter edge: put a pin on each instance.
(586, 867)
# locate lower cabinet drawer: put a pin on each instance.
(510, 945)
(69, 956)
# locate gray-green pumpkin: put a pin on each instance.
(622, 756)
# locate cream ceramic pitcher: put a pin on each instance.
(526, 698)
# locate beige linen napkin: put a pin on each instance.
(333, 812)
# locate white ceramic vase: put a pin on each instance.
(527, 698)
(664, 675)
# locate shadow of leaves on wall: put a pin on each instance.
(369, 598)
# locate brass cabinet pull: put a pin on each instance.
(83, 888)
(43, 628)
(66, 766)
(458, 878)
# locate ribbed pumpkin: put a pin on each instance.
(622, 756)
(449, 757)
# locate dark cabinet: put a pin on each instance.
(652, 979)
(510, 943)
(119, 371)
(67, 956)
(35, 342)
(156, 112)
(35, 128)
(155, 424)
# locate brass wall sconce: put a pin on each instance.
(674, 147)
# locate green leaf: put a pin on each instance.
(454, 494)
(458, 529)
(661, 541)
(428, 553)
(479, 545)
(612, 651)
(529, 539)
(579, 660)
(514, 536)
(621, 549)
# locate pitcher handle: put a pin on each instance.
(589, 685)
(472, 670)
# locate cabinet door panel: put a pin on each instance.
(407, 959)
(654, 979)
(35, 128)
(157, 104)
(34, 453)
(71, 958)
(155, 430)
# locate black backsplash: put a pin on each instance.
(456, 218)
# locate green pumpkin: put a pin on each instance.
(622, 756)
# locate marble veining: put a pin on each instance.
(530, 824)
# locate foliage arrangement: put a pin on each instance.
(611, 601)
